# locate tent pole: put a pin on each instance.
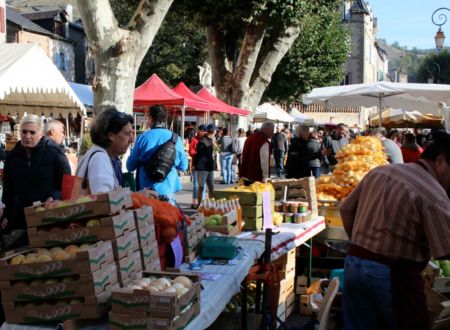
(183, 110)
(380, 101)
(68, 127)
(135, 126)
(81, 135)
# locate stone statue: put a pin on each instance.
(205, 77)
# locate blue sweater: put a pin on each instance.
(146, 144)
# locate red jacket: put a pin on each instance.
(193, 147)
(251, 161)
(410, 156)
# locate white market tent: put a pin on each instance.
(267, 111)
(31, 83)
(425, 98)
(396, 116)
(301, 118)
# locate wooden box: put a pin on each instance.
(109, 228)
(85, 262)
(85, 207)
(160, 304)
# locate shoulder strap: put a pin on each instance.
(174, 138)
(84, 184)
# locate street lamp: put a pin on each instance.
(441, 20)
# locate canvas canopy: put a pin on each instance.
(155, 91)
(31, 83)
(424, 98)
(301, 118)
(273, 112)
(220, 106)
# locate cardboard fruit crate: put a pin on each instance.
(142, 321)
(153, 266)
(229, 225)
(125, 245)
(143, 216)
(254, 211)
(245, 197)
(104, 204)
(129, 266)
(85, 262)
(109, 228)
(301, 284)
(146, 234)
(85, 308)
(197, 221)
(61, 288)
(303, 189)
(290, 304)
(160, 304)
(438, 308)
(149, 253)
(304, 309)
(287, 287)
(253, 224)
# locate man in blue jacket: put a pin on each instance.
(146, 144)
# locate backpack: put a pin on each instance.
(162, 160)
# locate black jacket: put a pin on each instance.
(204, 160)
(297, 162)
(313, 153)
(28, 180)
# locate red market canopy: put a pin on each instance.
(155, 91)
(219, 105)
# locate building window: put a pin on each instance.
(61, 61)
(346, 80)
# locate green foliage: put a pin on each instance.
(86, 143)
(178, 48)
(317, 57)
(436, 66)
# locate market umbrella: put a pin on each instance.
(396, 117)
(422, 97)
(267, 111)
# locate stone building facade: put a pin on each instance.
(367, 63)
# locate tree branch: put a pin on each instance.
(99, 21)
(217, 57)
(145, 23)
(269, 62)
(250, 48)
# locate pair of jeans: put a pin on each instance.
(195, 186)
(279, 162)
(315, 171)
(226, 159)
(367, 298)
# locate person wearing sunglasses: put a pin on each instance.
(33, 172)
(112, 135)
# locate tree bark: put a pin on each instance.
(251, 45)
(118, 52)
(269, 62)
(216, 51)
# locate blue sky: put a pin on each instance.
(409, 21)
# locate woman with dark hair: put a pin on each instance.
(112, 135)
(411, 151)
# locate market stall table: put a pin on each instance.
(217, 293)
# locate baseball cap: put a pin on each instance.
(202, 127)
(211, 127)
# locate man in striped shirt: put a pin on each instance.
(397, 218)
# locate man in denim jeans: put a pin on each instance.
(397, 218)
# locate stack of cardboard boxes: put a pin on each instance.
(148, 246)
(195, 234)
(286, 298)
